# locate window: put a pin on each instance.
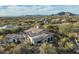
(48, 39)
(39, 42)
(18, 42)
(51, 38)
(14, 40)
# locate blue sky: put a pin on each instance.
(17, 10)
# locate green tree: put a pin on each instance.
(52, 28)
(65, 28)
(47, 48)
(66, 46)
(69, 46)
(23, 48)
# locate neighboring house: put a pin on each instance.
(76, 47)
(76, 32)
(8, 27)
(45, 21)
(36, 35)
(17, 38)
(63, 21)
(56, 21)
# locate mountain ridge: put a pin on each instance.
(66, 14)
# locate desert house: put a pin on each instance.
(45, 20)
(76, 32)
(8, 27)
(36, 35)
(13, 38)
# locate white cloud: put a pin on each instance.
(16, 10)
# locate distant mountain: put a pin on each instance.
(66, 13)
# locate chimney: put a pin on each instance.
(37, 26)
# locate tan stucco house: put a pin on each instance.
(36, 35)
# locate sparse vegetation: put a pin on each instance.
(63, 33)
